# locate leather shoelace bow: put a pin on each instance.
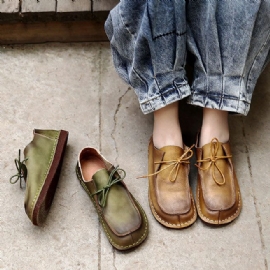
(214, 146)
(173, 164)
(22, 171)
(113, 179)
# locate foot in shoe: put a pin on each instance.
(218, 194)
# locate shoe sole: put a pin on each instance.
(47, 193)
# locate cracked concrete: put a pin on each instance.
(259, 222)
(75, 87)
(115, 121)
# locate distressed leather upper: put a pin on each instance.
(39, 154)
(123, 219)
(218, 193)
(170, 195)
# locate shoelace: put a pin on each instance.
(113, 179)
(173, 164)
(22, 171)
(212, 162)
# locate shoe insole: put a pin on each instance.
(90, 166)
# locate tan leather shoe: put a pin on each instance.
(218, 194)
(170, 196)
(122, 217)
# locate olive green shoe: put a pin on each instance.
(123, 219)
(41, 171)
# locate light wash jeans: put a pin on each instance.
(228, 39)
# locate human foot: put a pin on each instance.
(215, 125)
(170, 196)
(218, 194)
(167, 130)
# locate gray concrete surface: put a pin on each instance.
(74, 87)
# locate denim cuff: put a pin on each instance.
(227, 93)
(170, 93)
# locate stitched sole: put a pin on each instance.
(47, 193)
(119, 247)
(171, 225)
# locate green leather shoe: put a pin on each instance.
(41, 170)
(123, 219)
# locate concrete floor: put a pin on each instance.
(74, 87)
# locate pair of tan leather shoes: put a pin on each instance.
(218, 199)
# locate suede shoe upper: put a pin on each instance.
(123, 219)
(170, 196)
(218, 193)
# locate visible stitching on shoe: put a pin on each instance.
(42, 135)
(102, 222)
(162, 221)
(230, 218)
(45, 176)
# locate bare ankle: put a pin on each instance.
(207, 135)
(161, 140)
(167, 130)
(215, 125)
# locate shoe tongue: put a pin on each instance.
(101, 178)
(213, 148)
(172, 152)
